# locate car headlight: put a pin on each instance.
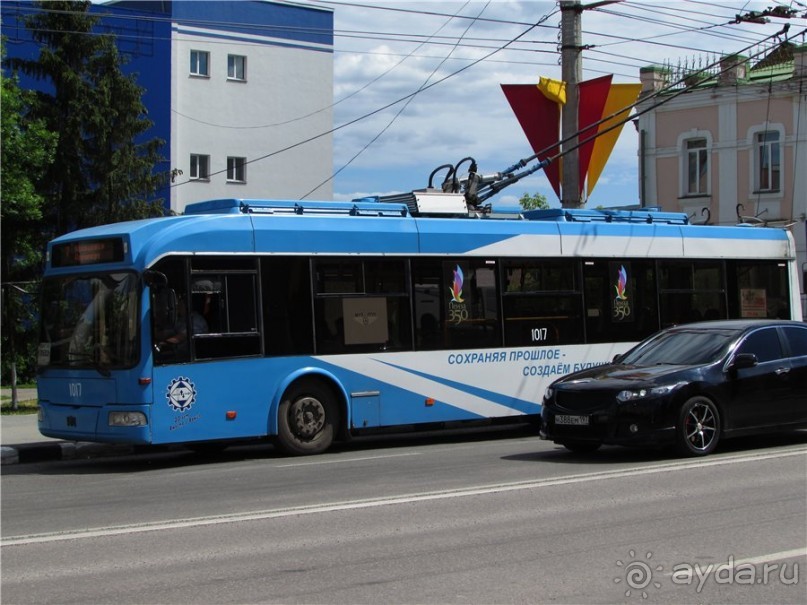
(634, 394)
(548, 393)
(127, 419)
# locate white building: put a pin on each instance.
(251, 95)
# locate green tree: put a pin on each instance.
(102, 171)
(534, 202)
(26, 153)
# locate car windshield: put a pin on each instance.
(89, 321)
(681, 347)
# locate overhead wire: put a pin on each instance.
(666, 99)
(390, 36)
(510, 46)
(441, 80)
(384, 107)
(400, 111)
(593, 48)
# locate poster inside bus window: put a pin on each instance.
(365, 320)
(458, 301)
(621, 301)
(753, 302)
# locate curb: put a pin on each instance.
(60, 450)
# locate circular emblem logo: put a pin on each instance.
(181, 394)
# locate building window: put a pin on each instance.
(200, 61)
(236, 67)
(200, 166)
(767, 160)
(697, 157)
(236, 170)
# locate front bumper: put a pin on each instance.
(636, 424)
(91, 423)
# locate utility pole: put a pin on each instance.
(571, 34)
(571, 47)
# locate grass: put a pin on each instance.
(28, 406)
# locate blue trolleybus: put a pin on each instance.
(309, 322)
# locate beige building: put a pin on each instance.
(729, 144)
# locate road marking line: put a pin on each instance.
(774, 556)
(392, 500)
(732, 563)
(341, 460)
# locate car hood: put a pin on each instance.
(620, 376)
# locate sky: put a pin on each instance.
(460, 53)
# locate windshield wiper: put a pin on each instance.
(101, 368)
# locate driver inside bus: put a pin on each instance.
(177, 337)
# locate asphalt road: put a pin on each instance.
(501, 519)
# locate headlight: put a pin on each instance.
(548, 393)
(625, 396)
(127, 419)
(634, 394)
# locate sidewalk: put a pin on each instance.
(21, 441)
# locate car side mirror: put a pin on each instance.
(617, 358)
(744, 361)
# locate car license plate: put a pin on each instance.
(571, 420)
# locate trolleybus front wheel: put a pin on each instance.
(307, 419)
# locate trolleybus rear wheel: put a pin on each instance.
(307, 419)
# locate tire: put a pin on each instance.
(582, 447)
(698, 429)
(307, 419)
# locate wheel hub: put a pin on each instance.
(308, 416)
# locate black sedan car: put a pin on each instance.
(687, 386)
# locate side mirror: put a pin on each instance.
(164, 307)
(744, 361)
(154, 278)
(617, 358)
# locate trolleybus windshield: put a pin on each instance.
(90, 321)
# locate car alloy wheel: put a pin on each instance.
(698, 429)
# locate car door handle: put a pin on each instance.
(781, 371)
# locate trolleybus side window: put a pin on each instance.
(216, 318)
(169, 310)
(542, 302)
(287, 315)
(361, 305)
(620, 298)
(224, 293)
(691, 291)
(759, 289)
(456, 303)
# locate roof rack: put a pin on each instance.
(297, 207)
(431, 203)
(646, 215)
